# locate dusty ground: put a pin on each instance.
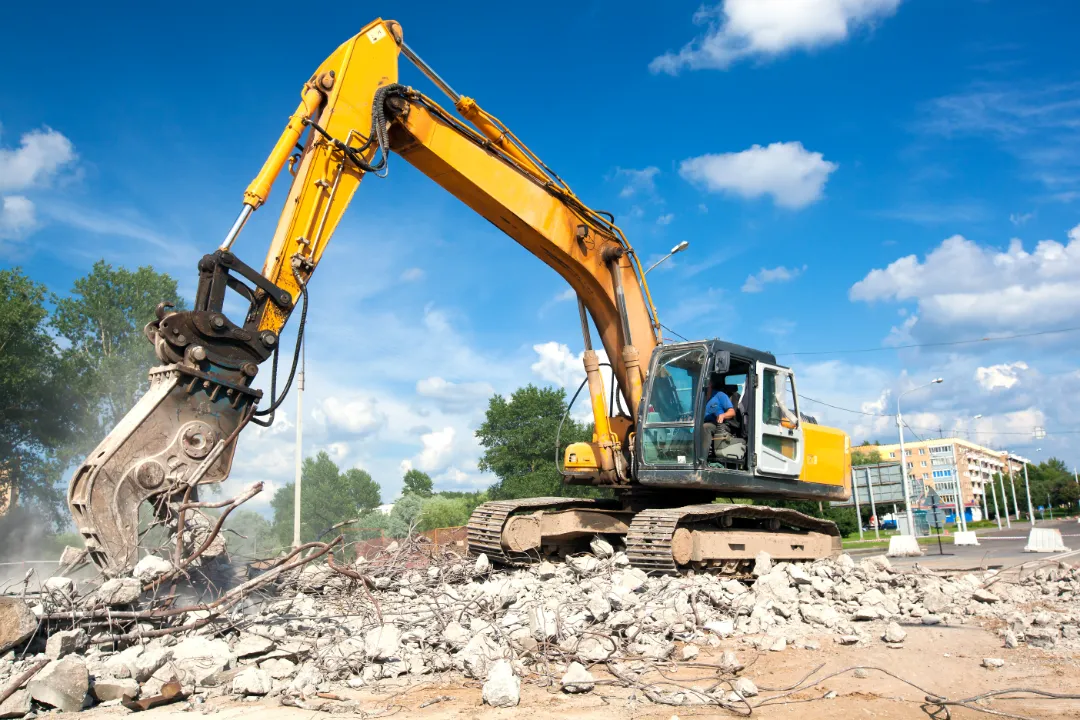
(943, 660)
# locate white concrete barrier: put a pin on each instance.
(967, 537)
(1045, 540)
(903, 546)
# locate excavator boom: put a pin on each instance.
(352, 116)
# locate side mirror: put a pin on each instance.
(721, 362)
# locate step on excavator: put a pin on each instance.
(663, 465)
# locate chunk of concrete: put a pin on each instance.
(601, 548)
(577, 679)
(151, 567)
(119, 591)
(17, 705)
(729, 663)
(250, 645)
(65, 642)
(762, 564)
(894, 633)
(723, 628)
(503, 687)
(993, 663)
(198, 658)
(59, 586)
(252, 681)
(61, 684)
(278, 668)
(106, 689)
(745, 687)
(985, 596)
(454, 635)
(382, 643)
(17, 623)
(482, 564)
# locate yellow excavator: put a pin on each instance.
(656, 459)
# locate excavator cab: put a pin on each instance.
(759, 452)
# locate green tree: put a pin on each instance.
(417, 483)
(37, 411)
(108, 353)
(251, 536)
(518, 437)
(866, 458)
(405, 515)
(443, 512)
(329, 497)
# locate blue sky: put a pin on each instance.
(849, 173)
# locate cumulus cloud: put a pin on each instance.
(1002, 376)
(412, 274)
(758, 281)
(637, 182)
(558, 365)
(436, 451)
(665, 219)
(791, 174)
(738, 29)
(961, 283)
(454, 397)
(357, 415)
(17, 217)
(41, 153)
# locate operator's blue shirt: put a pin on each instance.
(719, 404)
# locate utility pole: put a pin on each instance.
(1027, 488)
(299, 445)
(903, 455)
(855, 492)
(873, 506)
(993, 493)
(1012, 484)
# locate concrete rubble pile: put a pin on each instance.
(554, 624)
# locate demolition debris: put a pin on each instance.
(310, 628)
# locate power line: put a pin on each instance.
(950, 343)
(958, 432)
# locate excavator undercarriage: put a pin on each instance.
(722, 538)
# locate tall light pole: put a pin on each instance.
(903, 453)
(674, 251)
(1027, 488)
(1012, 484)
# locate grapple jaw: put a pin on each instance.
(180, 433)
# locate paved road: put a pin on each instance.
(996, 548)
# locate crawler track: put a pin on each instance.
(649, 541)
(487, 521)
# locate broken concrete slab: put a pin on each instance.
(107, 689)
(577, 679)
(17, 705)
(17, 622)
(502, 687)
(61, 684)
(65, 642)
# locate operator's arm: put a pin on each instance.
(718, 409)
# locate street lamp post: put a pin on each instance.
(1027, 489)
(1012, 484)
(674, 251)
(903, 454)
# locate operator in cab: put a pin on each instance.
(718, 410)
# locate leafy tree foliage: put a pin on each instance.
(405, 515)
(109, 356)
(866, 458)
(36, 408)
(417, 483)
(250, 536)
(329, 497)
(443, 512)
(518, 437)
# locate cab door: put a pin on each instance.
(778, 432)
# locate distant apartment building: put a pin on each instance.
(945, 463)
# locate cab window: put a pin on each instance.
(675, 387)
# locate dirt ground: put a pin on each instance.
(945, 660)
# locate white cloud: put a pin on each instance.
(358, 415)
(412, 274)
(41, 153)
(638, 182)
(454, 397)
(558, 365)
(962, 283)
(17, 217)
(792, 175)
(1019, 219)
(1002, 376)
(437, 450)
(665, 219)
(757, 282)
(739, 29)
(558, 299)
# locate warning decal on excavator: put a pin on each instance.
(376, 34)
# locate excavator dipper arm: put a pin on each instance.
(351, 115)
